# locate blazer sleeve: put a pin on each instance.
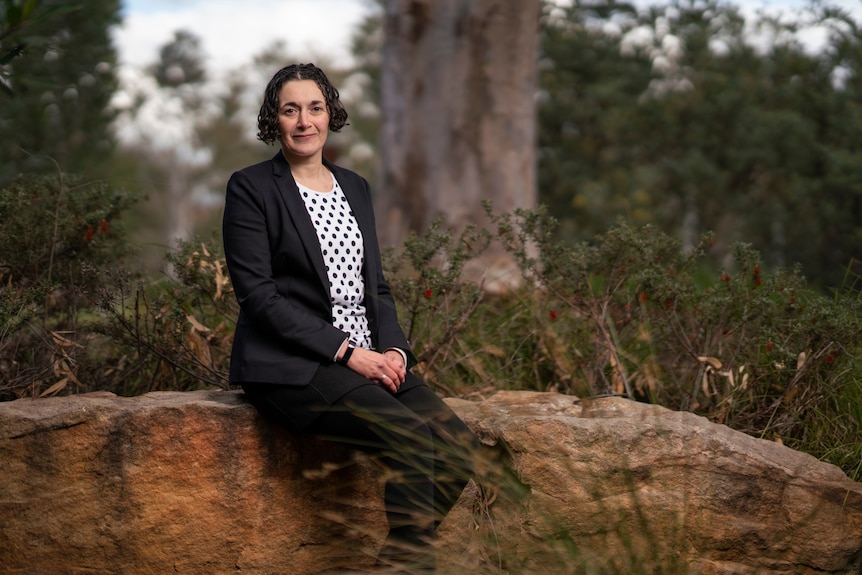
(289, 309)
(391, 333)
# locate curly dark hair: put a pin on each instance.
(267, 119)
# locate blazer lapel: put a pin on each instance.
(299, 216)
(361, 212)
(361, 215)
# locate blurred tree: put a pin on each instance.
(16, 21)
(458, 83)
(181, 61)
(158, 123)
(676, 116)
(589, 91)
(62, 79)
(13, 20)
(363, 92)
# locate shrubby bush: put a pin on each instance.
(630, 314)
(178, 329)
(56, 234)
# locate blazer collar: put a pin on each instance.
(299, 216)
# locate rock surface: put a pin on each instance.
(645, 489)
(198, 483)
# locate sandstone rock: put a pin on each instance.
(198, 483)
(641, 489)
(174, 483)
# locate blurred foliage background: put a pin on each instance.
(675, 117)
(704, 173)
(684, 115)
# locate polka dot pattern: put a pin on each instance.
(341, 244)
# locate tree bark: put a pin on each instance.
(459, 82)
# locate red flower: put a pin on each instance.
(642, 297)
(758, 281)
(428, 293)
(769, 346)
(553, 315)
(88, 234)
(724, 277)
(103, 226)
(830, 358)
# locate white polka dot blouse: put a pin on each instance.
(343, 254)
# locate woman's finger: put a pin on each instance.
(389, 383)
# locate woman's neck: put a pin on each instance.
(311, 173)
(316, 177)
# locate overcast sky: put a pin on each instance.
(232, 31)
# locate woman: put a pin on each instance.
(318, 347)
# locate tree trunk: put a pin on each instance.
(459, 82)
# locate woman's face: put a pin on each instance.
(303, 120)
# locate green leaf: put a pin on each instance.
(28, 8)
(13, 14)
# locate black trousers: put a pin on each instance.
(425, 445)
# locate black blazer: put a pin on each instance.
(284, 331)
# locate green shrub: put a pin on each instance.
(632, 314)
(177, 330)
(55, 233)
(434, 305)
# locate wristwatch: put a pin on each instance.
(347, 353)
